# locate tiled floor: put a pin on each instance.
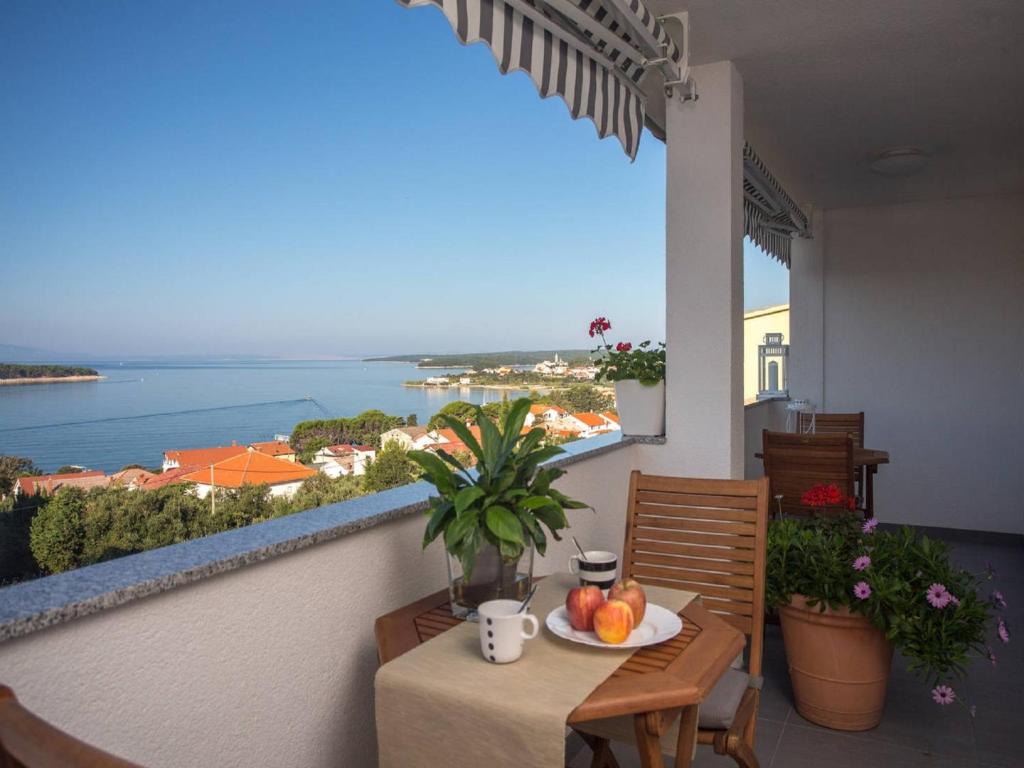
(915, 731)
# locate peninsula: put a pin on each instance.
(12, 374)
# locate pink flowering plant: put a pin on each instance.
(622, 361)
(938, 616)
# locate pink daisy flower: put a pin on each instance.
(862, 590)
(1004, 633)
(937, 596)
(943, 694)
(869, 525)
(953, 598)
(861, 563)
(998, 600)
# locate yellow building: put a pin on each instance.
(756, 323)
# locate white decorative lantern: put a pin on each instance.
(772, 368)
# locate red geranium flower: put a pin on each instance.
(599, 325)
(824, 496)
(623, 346)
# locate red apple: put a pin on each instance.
(613, 621)
(630, 592)
(580, 604)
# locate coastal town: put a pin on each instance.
(276, 465)
(537, 376)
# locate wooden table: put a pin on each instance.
(654, 685)
(870, 460)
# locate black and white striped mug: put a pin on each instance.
(599, 568)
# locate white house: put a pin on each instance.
(410, 438)
(542, 415)
(251, 468)
(345, 459)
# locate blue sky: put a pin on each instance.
(308, 179)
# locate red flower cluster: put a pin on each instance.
(823, 496)
(599, 325)
(623, 346)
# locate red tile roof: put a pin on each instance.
(204, 457)
(250, 468)
(365, 448)
(31, 485)
(171, 476)
(539, 409)
(343, 448)
(133, 475)
(273, 448)
(589, 418)
(611, 416)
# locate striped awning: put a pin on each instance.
(594, 55)
(591, 53)
(770, 217)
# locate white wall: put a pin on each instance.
(271, 664)
(924, 331)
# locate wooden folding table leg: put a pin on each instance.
(687, 742)
(648, 739)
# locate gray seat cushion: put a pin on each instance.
(719, 708)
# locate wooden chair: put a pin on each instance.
(27, 741)
(851, 424)
(706, 536)
(796, 463)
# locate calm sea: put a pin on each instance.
(143, 409)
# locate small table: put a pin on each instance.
(870, 460)
(655, 684)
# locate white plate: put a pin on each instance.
(659, 625)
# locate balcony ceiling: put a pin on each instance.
(829, 83)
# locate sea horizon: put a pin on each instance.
(145, 407)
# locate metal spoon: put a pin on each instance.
(529, 597)
(583, 555)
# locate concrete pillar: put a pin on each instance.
(704, 277)
(807, 315)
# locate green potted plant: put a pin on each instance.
(639, 377)
(493, 516)
(848, 594)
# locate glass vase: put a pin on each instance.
(492, 579)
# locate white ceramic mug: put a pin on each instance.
(599, 569)
(502, 632)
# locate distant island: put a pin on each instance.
(480, 360)
(20, 373)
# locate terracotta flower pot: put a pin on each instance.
(838, 663)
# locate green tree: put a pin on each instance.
(13, 467)
(457, 409)
(68, 469)
(16, 560)
(366, 428)
(320, 490)
(390, 469)
(57, 535)
(412, 420)
(580, 397)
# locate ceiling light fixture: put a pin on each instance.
(899, 161)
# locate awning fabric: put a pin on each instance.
(770, 217)
(592, 53)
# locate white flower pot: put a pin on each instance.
(641, 408)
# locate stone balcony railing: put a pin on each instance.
(254, 646)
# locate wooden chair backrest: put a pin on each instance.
(27, 741)
(796, 463)
(851, 424)
(706, 536)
